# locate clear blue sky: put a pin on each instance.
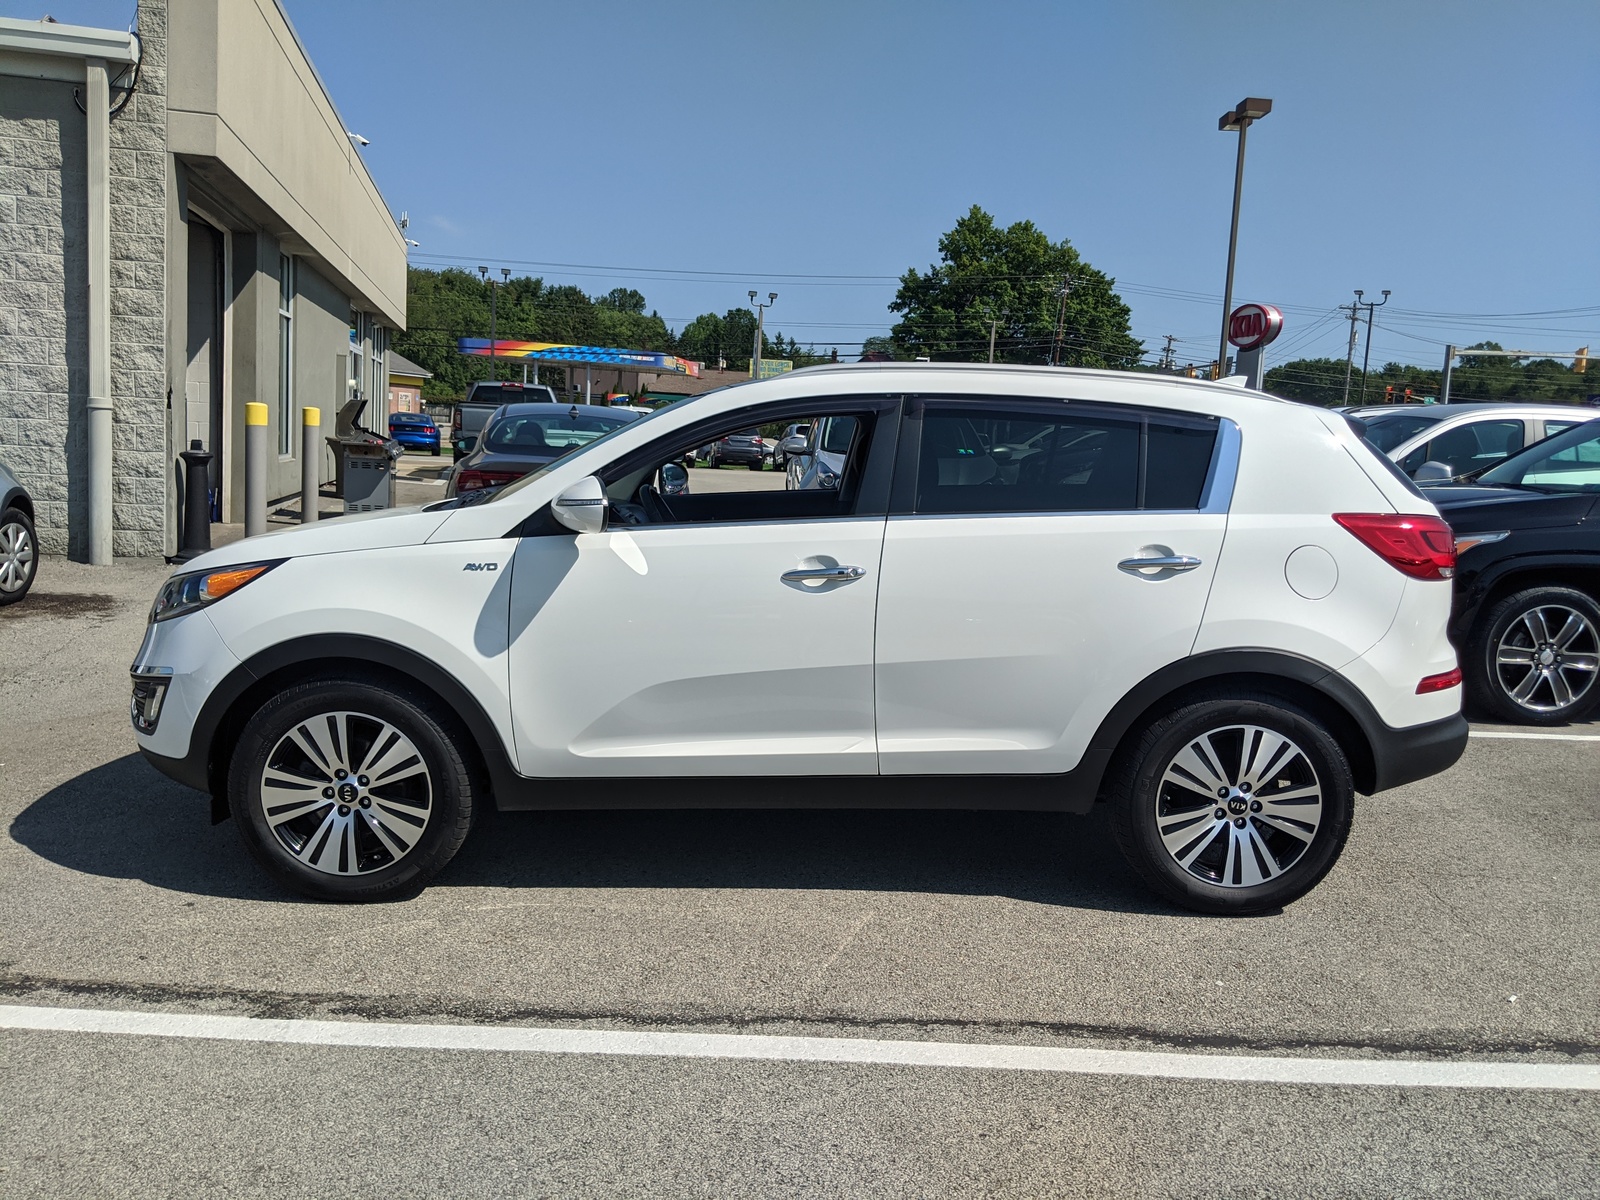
(1447, 151)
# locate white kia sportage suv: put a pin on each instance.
(1220, 613)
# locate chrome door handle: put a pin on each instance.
(1166, 562)
(825, 574)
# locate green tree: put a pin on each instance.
(1014, 277)
(1476, 377)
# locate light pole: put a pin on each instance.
(484, 273)
(1366, 355)
(761, 321)
(1248, 111)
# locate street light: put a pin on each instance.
(1366, 355)
(1248, 111)
(761, 321)
(493, 291)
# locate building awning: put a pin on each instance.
(565, 354)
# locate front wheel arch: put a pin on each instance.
(346, 657)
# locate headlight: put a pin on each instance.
(186, 593)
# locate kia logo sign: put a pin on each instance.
(1251, 326)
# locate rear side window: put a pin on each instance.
(981, 459)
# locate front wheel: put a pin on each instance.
(347, 790)
(19, 555)
(1233, 805)
(1533, 660)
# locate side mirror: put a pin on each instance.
(672, 473)
(1434, 472)
(582, 507)
(794, 446)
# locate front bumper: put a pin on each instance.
(1401, 756)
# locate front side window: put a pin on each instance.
(727, 475)
(523, 433)
(1386, 430)
(1468, 448)
(984, 459)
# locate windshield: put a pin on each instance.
(532, 433)
(1386, 430)
(1568, 462)
(501, 493)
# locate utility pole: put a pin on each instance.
(1168, 364)
(992, 324)
(1061, 321)
(1366, 357)
(1350, 353)
(761, 321)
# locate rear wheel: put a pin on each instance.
(1535, 658)
(1233, 805)
(347, 790)
(19, 555)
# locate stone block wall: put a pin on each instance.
(141, 461)
(44, 302)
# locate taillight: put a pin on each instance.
(475, 480)
(1422, 547)
(1439, 683)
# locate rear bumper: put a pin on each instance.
(1401, 756)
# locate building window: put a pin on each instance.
(380, 377)
(356, 348)
(285, 354)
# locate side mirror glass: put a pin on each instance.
(582, 507)
(673, 473)
(794, 445)
(1434, 472)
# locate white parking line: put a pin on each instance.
(516, 1039)
(1537, 737)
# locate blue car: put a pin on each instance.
(414, 431)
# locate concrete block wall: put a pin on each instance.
(141, 457)
(44, 302)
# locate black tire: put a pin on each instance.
(1504, 630)
(19, 555)
(1144, 802)
(757, 465)
(436, 452)
(449, 792)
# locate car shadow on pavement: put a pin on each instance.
(124, 820)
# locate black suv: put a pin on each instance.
(1526, 617)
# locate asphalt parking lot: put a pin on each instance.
(1461, 926)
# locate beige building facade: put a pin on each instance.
(246, 252)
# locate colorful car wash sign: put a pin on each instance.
(1251, 326)
(599, 356)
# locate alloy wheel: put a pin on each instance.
(16, 557)
(346, 793)
(1547, 658)
(1238, 806)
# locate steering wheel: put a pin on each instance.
(655, 505)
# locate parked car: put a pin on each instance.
(818, 461)
(482, 399)
(1029, 589)
(19, 543)
(780, 455)
(1447, 441)
(525, 437)
(1527, 605)
(414, 431)
(745, 448)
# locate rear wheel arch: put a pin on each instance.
(1518, 579)
(1300, 682)
(19, 500)
(355, 658)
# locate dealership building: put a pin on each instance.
(186, 227)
